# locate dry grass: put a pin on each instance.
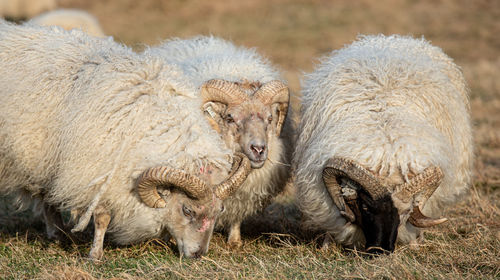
(292, 33)
(467, 247)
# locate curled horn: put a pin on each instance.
(163, 175)
(426, 182)
(340, 167)
(222, 91)
(240, 170)
(275, 92)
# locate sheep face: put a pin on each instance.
(246, 128)
(191, 222)
(365, 199)
(247, 115)
(191, 204)
(379, 221)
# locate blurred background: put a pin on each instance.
(293, 34)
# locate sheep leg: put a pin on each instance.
(54, 225)
(327, 242)
(101, 222)
(234, 239)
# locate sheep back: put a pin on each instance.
(80, 112)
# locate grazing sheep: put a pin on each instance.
(384, 136)
(70, 19)
(247, 103)
(89, 126)
(22, 9)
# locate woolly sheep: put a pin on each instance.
(247, 102)
(70, 19)
(91, 127)
(19, 9)
(384, 136)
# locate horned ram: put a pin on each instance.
(89, 126)
(246, 101)
(384, 141)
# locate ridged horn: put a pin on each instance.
(335, 191)
(340, 167)
(275, 92)
(426, 183)
(348, 168)
(239, 172)
(163, 175)
(420, 220)
(222, 91)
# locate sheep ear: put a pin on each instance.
(213, 111)
(164, 191)
(280, 111)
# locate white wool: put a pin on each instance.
(395, 105)
(204, 58)
(81, 113)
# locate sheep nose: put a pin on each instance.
(258, 150)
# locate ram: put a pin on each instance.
(247, 103)
(89, 126)
(384, 138)
(70, 19)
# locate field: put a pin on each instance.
(293, 34)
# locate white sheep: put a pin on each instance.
(70, 19)
(384, 135)
(18, 9)
(247, 102)
(89, 126)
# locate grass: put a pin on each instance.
(467, 247)
(293, 33)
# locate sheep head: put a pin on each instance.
(362, 199)
(246, 114)
(192, 205)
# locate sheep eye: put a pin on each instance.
(229, 118)
(222, 209)
(187, 212)
(270, 119)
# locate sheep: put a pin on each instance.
(22, 9)
(384, 141)
(69, 19)
(89, 126)
(246, 101)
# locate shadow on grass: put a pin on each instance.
(280, 225)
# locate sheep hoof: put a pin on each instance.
(415, 245)
(96, 255)
(235, 244)
(327, 241)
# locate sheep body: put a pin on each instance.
(84, 117)
(394, 104)
(205, 58)
(69, 19)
